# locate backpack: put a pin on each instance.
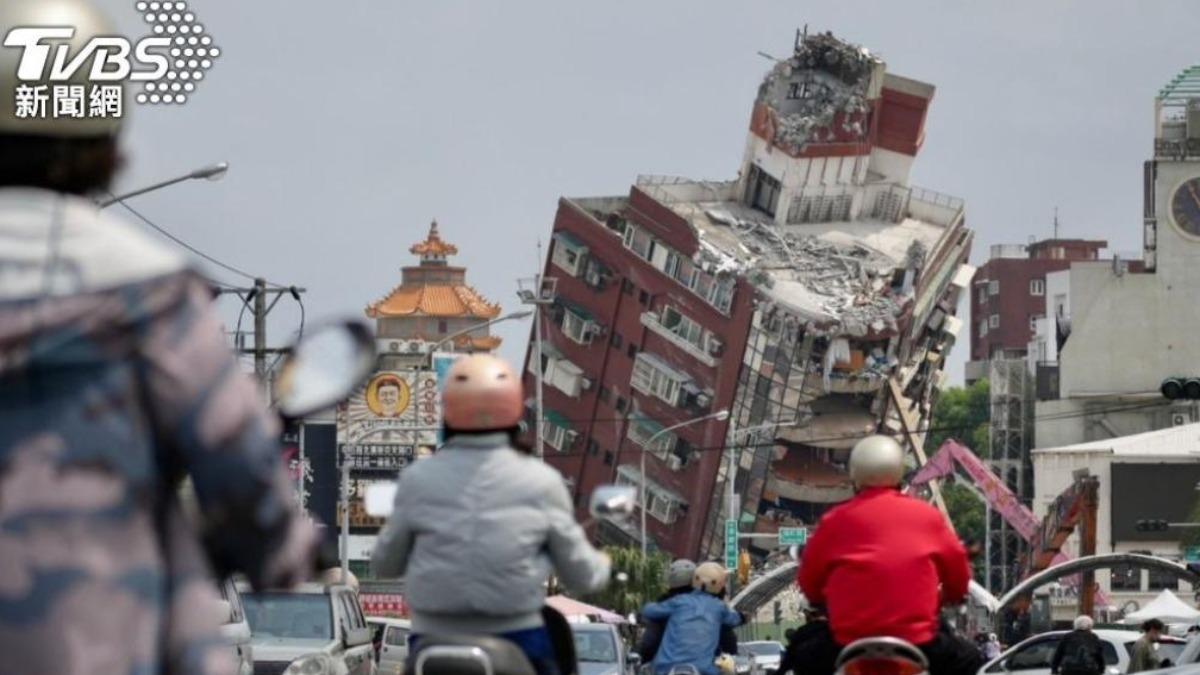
(1080, 657)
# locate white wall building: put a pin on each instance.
(1129, 326)
(1145, 476)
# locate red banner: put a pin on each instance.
(384, 604)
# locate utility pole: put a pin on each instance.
(255, 298)
(544, 292)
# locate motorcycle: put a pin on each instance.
(490, 655)
(881, 656)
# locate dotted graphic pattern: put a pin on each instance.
(190, 55)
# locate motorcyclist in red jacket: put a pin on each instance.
(883, 564)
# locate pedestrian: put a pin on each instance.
(991, 648)
(1144, 650)
(1079, 652)
(116, 385)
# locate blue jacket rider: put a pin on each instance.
(694, 621)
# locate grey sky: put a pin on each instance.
(350, 125)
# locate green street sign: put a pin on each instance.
(731, 544)
(1191, 554)
(793, 536)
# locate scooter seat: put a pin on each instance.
(469, 655)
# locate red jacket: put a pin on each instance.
(876, 562)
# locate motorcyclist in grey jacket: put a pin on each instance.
(478, 527)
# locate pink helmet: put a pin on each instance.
(482, 392)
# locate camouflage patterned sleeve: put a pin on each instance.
(213, 423)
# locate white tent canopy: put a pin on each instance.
(1167, 608)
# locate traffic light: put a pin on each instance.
(778, 613)
(743, 569)
(1186, 387)
(1157, 525)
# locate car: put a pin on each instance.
(390, 637)
(317, 628)
(236, 630)
(744, 662)
(600, 650)
(1032, 655)
(768, 654)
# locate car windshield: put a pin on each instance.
(595, 646)
(1169, 651)
(764, 648)
(289, 615)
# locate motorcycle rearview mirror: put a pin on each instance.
(324, 367)
(380, 498)
(613, 502)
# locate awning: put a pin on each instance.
(574, 609)
(569, 240)
(556, 418)
(634, 476)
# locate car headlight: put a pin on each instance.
(313, 664)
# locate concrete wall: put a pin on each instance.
(1149, 320)
(1052, 474)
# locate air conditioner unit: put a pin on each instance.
(414, 347)
(394, 347)
(715, 346)
(1180, 418)
(587, 383)
(572, 435)
(703, 400)
(674, 462)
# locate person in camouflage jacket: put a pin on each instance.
(116, 384)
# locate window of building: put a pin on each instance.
(662, 506)
(605, 395)
(682, 326)
(654, 378)
(554, 435)
(1037, 286)
(643, 429)
(626, 287)
(622, 404)
(631, 351)
(578, 328)
(1126, 578)
(762, 191)
(994, 321)
(1160, 581)
(608, 458)
(616, 340)
(983, 293)
(568, 253)
(994, 287)
(643, 298)
(983, 328)
(443, 327)
(593, 448)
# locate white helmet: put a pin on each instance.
(877, 461)
(710, 577)
(88, 22)
(681, 573)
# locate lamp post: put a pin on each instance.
(543, 292)
(719, 415)
(211, 172)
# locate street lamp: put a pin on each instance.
(211, 172)
(719, 415)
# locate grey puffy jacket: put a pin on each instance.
(476, 530)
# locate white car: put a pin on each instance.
(390, 637)
(1032, 656)
(768, 654)
(236, 630)
(313, 628)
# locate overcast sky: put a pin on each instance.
(350, 125)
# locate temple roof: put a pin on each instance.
(427, 291)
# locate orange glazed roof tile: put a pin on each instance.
(434, 245)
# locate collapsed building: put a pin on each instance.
(812, 297)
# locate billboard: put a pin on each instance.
(393, 407)
(1152, 491)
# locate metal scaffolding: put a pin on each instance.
(1011, 436)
